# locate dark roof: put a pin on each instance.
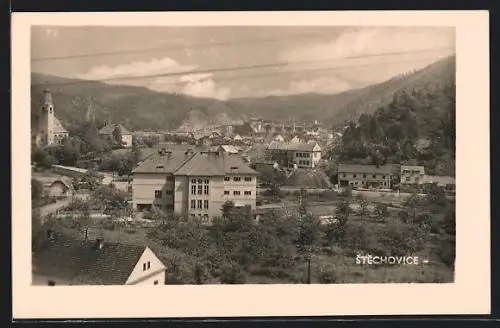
(169, 162)
(108, 129)
(83, 261)
(212, 164)
(200, 163)
(291, 146)
(359, 168)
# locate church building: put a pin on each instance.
(46, 128)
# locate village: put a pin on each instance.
(259, 168)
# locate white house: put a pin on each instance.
(237, 138)
(279, 138)
(62, 261)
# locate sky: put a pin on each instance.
(200, 61)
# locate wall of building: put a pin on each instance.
(362, 179)
(127, 140)
(146, 275)
(144, 186)
(231, 186)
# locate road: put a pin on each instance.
(53, 208)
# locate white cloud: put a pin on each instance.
(136, 69)
(319, 84)
(195, 85)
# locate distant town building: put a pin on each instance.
(230, 149)
(446, 183)
(237, 138)
(412, 175)
(63, 261)
(193, 183)
(279, 138)
(365, 176)
(46, 128)
(59, 188)
(295, 139)
(107, 131)
(301, 155)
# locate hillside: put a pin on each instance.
(135, 107)
(141, 108)
(335, 109)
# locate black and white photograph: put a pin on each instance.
(243, 155)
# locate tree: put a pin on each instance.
(42, 158)
(302, 201)
(232, 273)
(381, 211)
(363, 205)
(117, 136)
(227, 208)
(413, 203)
(309, 232)
(36, 191)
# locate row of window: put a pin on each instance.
(411, 171)
(202, 189)
(200, 181)
(237, 192)
(202, 204)
(247, 179)
(364, 176)
(304, 163)
(146, 266)
(202, 217)
(355, 183)
(307, 155)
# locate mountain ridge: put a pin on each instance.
(142, 108)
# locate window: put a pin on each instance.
(248, 179)
(364, 175)
(236, 192)
(343, 175)
(193, 190)
(149, 265)
(200, 189)
(193, 181)
(237, 179)
(248, 193)
(157, 193)
(200, 203)
(205, 204)
(51, 283)
(144, 267)
(383, 177)
(407, 179)
(226, 192)
(193, 204)
(200, 181)
(207, 181)
(205, 190)
(354, 175)
(374, 176)
(156, 282)
(227, 178)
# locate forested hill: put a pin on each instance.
(142, 108)
(416, 127)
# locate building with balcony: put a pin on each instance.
(365, 176)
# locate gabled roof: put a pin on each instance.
(108, 129)
(358, 168)
(82, 260)
(291, 146)
(169, 162)
(229, 149)
(440, 180)
(418, 168)
(214, 164)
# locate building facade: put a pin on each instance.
(46, 128)
(127, 136)
(365, 176)
(412, 175)
(301, 155)
(193, 183)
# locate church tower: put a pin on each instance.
(46, 120)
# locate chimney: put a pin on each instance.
(99, 243)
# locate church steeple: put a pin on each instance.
(47, 97)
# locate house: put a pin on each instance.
(365, 176)
(237, 138)
(279, 138)
(261, 166)
(107, 132)
(62, 261)
(412, 175)
(59, 188)
(193, 183)
(446, 183)
(302, 155)
(295, 139)
(230, 149)
(46, 129)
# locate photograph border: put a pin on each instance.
(472, 270)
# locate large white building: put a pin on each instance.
(193, 183)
